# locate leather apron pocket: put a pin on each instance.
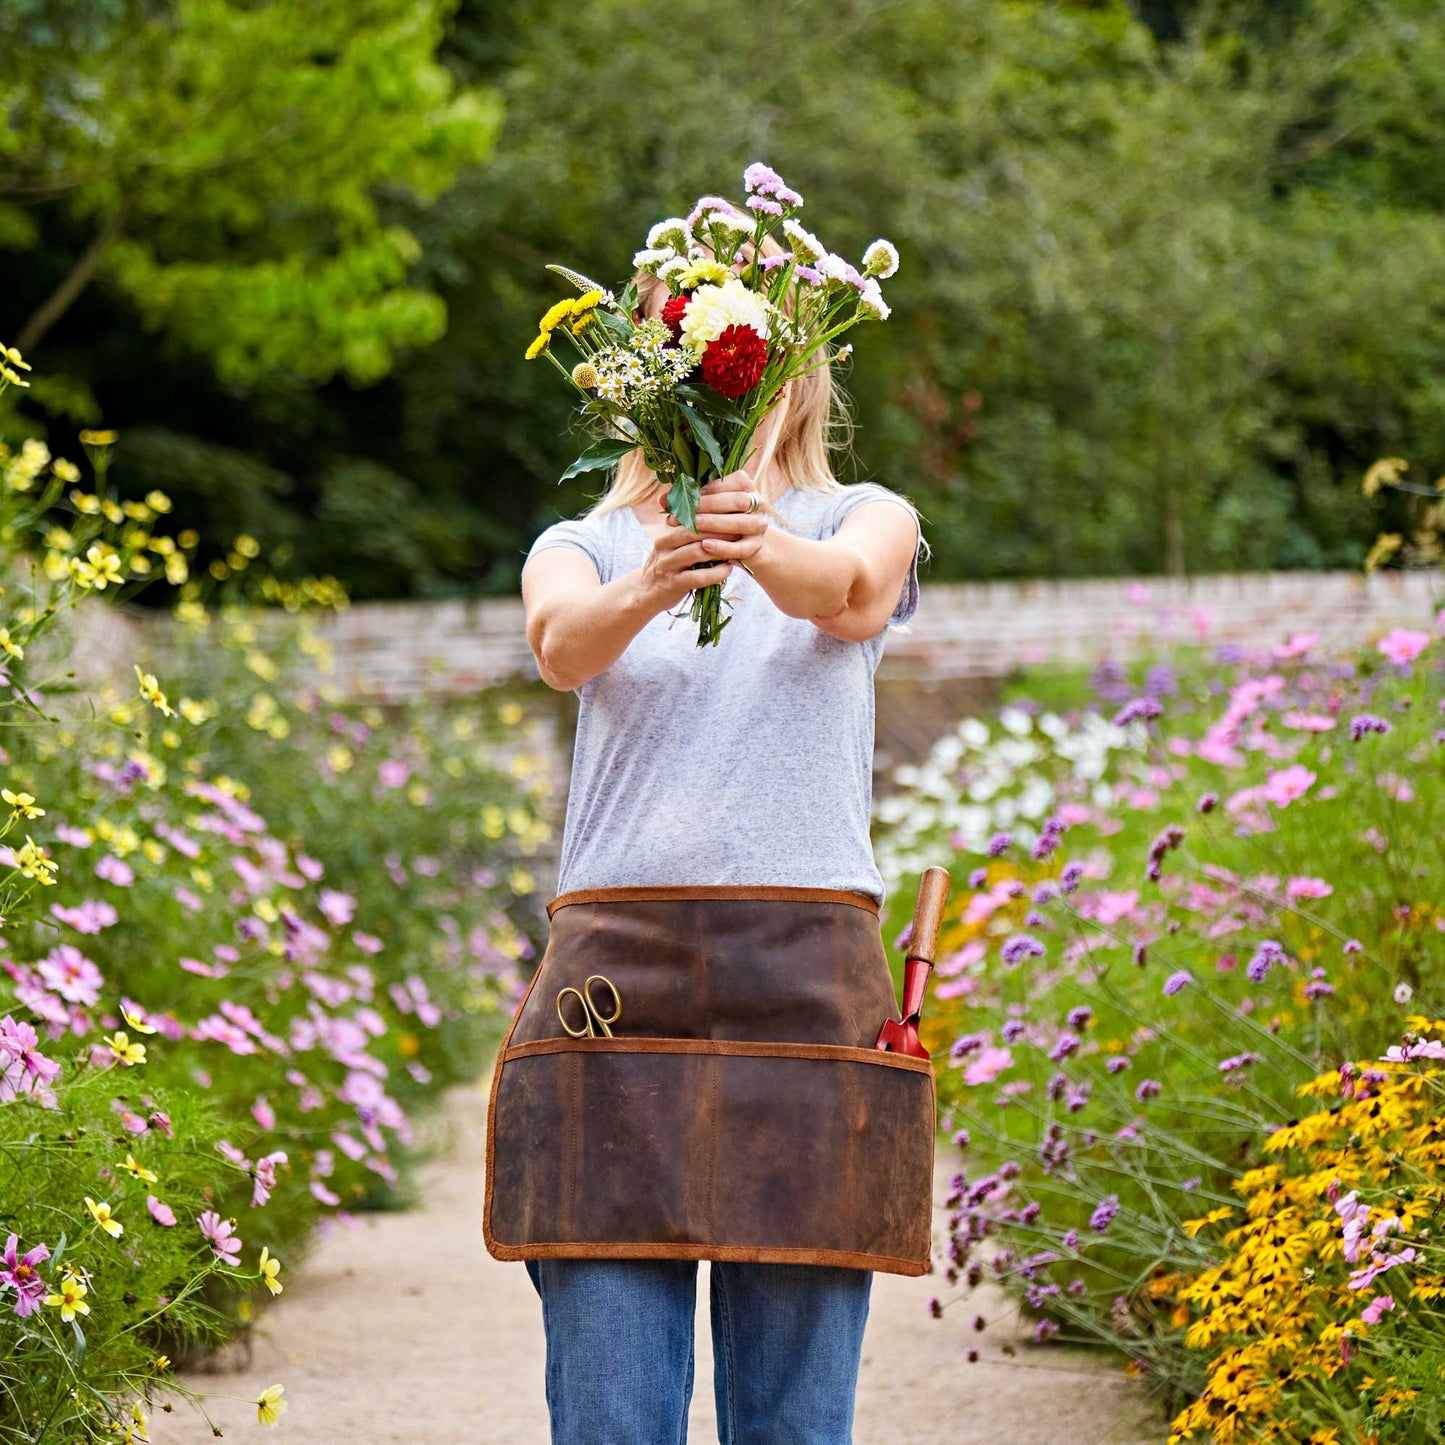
(739, 1112)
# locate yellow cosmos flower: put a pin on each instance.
(161, 1362)
(150, 689)
(127, 1052)
(139, 1025)
(270, 1405)
(270, 1269)
(102, 1216)
(139, 1170)
(12, 647)
(22, 803)
(33, 863)
(69, 1299)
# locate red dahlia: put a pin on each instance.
(734, 363)
(672, 314)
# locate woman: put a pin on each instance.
(744, 764)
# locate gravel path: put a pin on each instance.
(404, 1328)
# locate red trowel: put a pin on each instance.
(900, 1036)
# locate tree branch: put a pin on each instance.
(65, 295)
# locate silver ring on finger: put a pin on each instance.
(754, 502)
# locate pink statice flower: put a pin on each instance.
(221, 1234)
(1402, 646)
(19, 1271)
(160, 1211)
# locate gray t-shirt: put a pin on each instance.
(747, 762)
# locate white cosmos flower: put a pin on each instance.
(715, 308)
(880, 259)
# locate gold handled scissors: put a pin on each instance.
(594, 1021)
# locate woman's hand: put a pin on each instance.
(726, 528)
(667, 574)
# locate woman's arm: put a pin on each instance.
(846, 585)
(578, 626)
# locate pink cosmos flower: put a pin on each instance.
(1402, 646)
(336, 907)
(263, 1113)
(76, 837)
(221, 1234)
(1308, 888)
(367, 942)
(88, 917)
(393, 773)
(1285, 785)
(264, 1177)
(1308, 722)
(1374, 1311)
(325, 1195)
(111, 869)
(987, 1065)
(1297, 645)
(20, 1273)
(161, 1212)
(68, 972)
(23, 1068)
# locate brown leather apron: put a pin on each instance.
(740, 1112)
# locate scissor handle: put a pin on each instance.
(603, 1019)
(586, 1031)
(594, 1021)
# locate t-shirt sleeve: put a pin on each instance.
(577, 534)
(856, 495)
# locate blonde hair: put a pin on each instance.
(810, 421)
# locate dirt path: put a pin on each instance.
(405, 1329)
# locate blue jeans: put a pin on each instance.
(787, 1341)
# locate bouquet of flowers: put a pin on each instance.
(691, 387)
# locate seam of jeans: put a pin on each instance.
(717, 1279)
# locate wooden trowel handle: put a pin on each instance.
(928, 914)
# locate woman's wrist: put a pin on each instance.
(802, 577)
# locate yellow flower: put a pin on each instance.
(13, 648)
(139, 1170)
(161, 1362)
(584, 374)
(269, 1404)
(556, 315)
(70, 1300)
(22, 803)
(136, 1022)
(538, 346)
(124, 1050)
(102, 1216)
(14, 357)
(699, 272)
(150, 689)
(270, 1269)
(97, 438)
(1192, 1227)
(33, 863)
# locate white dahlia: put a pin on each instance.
(715, 308)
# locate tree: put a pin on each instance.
(235, 167)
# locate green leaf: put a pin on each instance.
(705, 438)
(712, 403)
(682, 501)
(596, 457)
